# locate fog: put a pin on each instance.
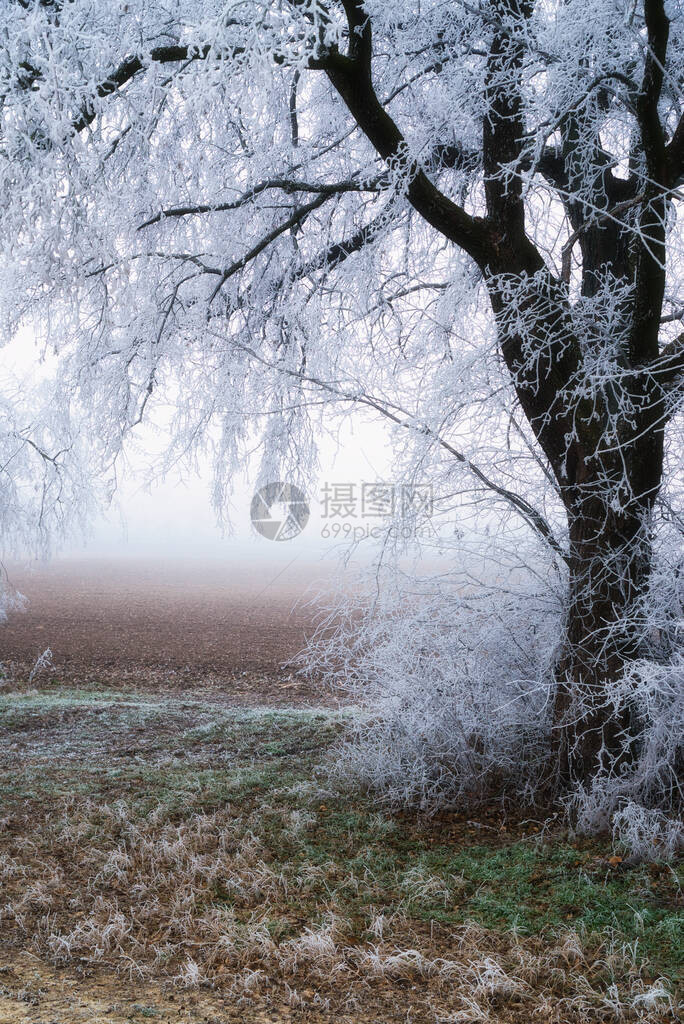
(174, 518)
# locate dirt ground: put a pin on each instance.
(33, 992)
(173, 624)
(169, 850)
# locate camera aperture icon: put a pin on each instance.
(279, 511)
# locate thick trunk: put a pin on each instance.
(609, 503)
(610, 562)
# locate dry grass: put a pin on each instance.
(186, 844)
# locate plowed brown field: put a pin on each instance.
(174, 624)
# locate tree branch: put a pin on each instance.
(338, 252)
(669, 367)
(531, 515)
(297, 217)
(649, 287)
(503, 130)
(131, 66)
(652, 134)
(284, 184)
(350, 75)
(674, 154)
(566, 252)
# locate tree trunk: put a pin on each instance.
(610, 564)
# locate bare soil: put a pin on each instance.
(180, 625)
(34, 992)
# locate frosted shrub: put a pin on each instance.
(42, 663)
(648, 834)
(635, 798)
(455, 691)
(190, 975)
(455, 696)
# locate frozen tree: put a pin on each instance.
(47, 485)
(461, 214)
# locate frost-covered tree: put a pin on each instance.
(462, 214)
(47, 485)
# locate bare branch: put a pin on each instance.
(290, 187)
(531, 515)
